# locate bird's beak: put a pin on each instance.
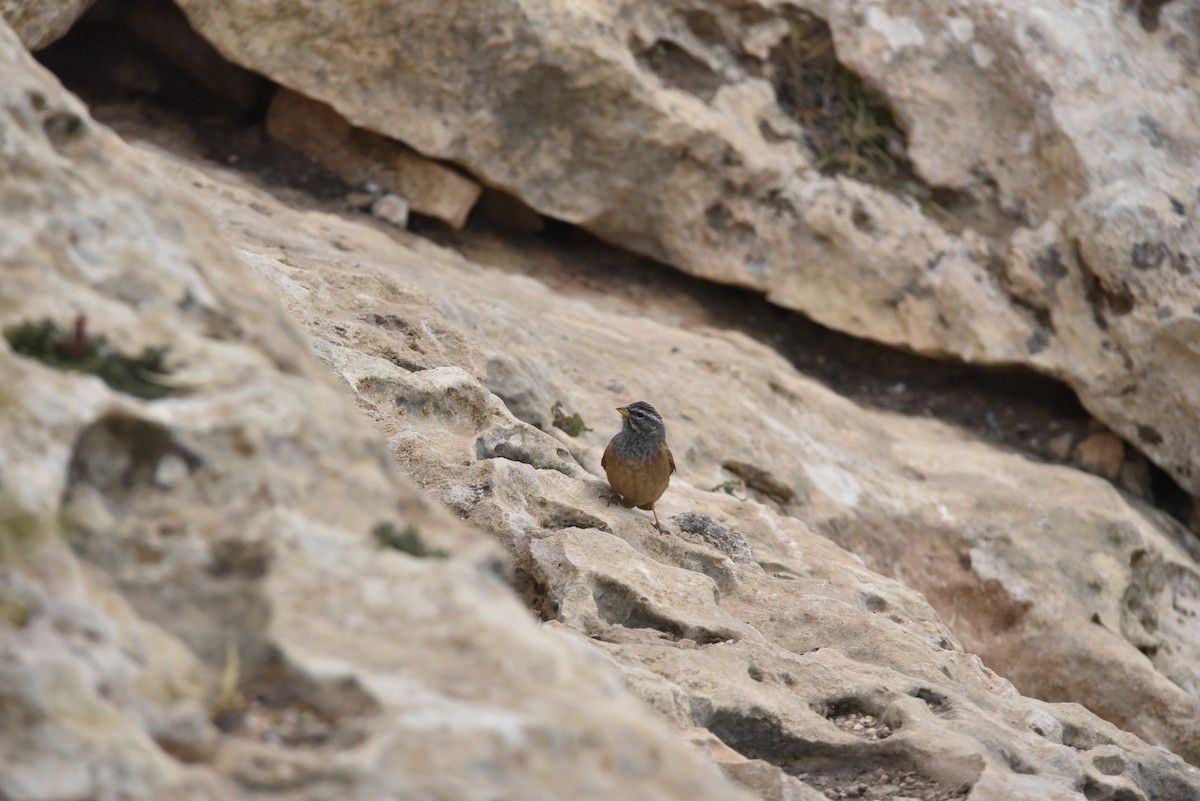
(623, 411)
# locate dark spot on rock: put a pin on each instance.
(862, 219)
(1037, 341)
(1148, 255)
(1050, 266)
(1096, 619)
(117, 460)
(755, 673)
(718, 217)
(1018, 764)
(62, 128)
(37, 100)
(679, 69)
(934, 261)
(1176, 206)
(388, 322)
(936, 702)
(704, 26)
(1149, 435)
(873, 603)
(235, 557)
(779, 205)
(1117, 300)
(1164, 313)
(761, 480)
(1093, 289)
(1147, 14)
(753, 731)
(1082, 739)
(1152, 129)
(624, 605)
(768, 132)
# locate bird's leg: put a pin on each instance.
(613, 498)
(657, 525)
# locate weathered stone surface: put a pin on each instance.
(241, 513)
(1067, 134)
(359, 156)
(707, 640)
(147, 547)
(87, 688)
(40, 23)
(1078, 122)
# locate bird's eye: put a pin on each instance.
(636, 413)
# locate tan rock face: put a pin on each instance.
(238, 523)
(211, 552)
(1063, 136)
(767, 653)
(40, 23)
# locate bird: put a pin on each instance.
(637, 461)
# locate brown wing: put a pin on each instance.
(670, 457)
(604, 458)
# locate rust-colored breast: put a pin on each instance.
(639, 483)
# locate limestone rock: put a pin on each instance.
(235, 516)
(227, 524)
(1066, 120)
(759, 656)
(40, 23)
(1061, 138)
(88, 688)
(391, 208)
(359, 156)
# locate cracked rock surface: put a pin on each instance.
(243, 591)
(192, 604)
(773, 652)
(1049, 220)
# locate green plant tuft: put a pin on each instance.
(407, 540)
(850, 126)
(228, 709)
(14, 612)
(731, 487)
(79, 351)
(572, 424)
(20, 530)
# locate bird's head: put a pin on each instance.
(642, 419)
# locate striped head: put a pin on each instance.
(642, 421)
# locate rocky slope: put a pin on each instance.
(1032, 203)
(148, 544)
(236, 588)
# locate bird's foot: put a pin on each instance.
(657, 525)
